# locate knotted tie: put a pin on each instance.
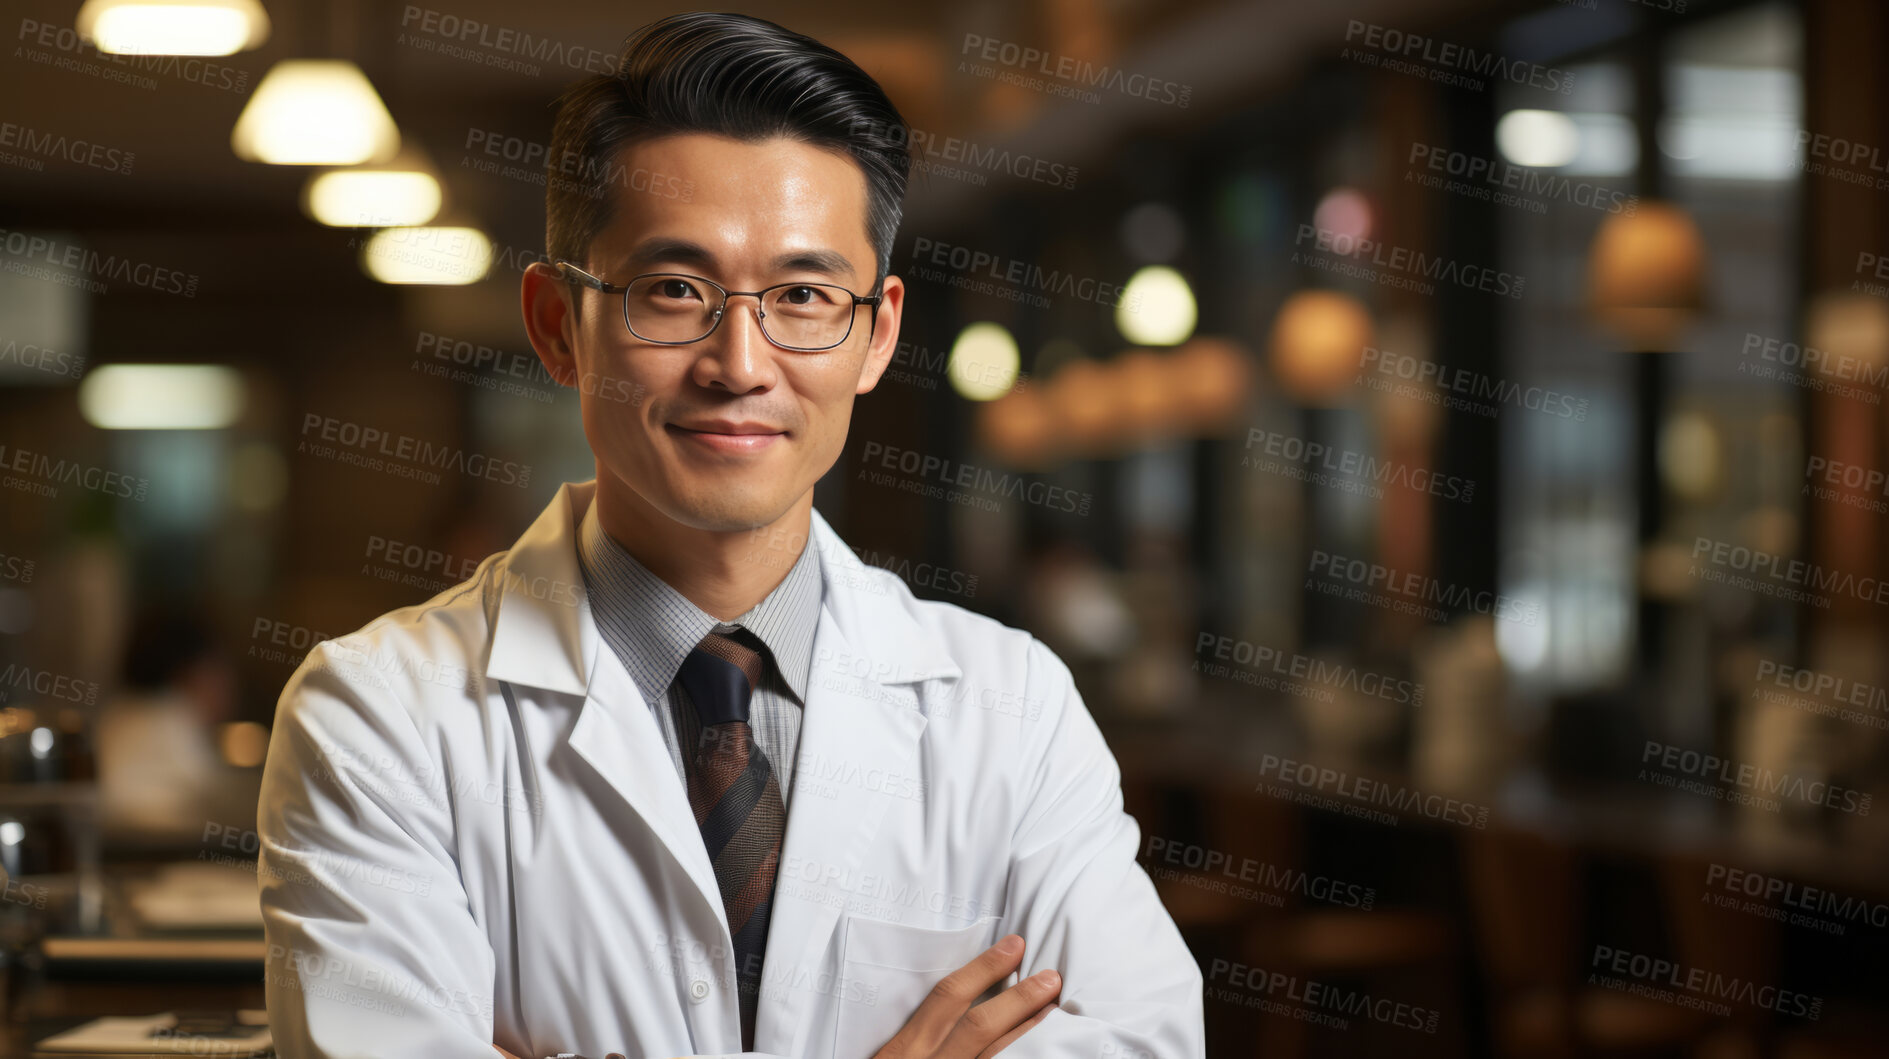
(736, 798)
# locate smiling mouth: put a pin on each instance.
(735, 438)
(729, 431)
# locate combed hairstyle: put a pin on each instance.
(731, 75)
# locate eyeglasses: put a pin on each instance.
(675, 309)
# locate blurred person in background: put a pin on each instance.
(162, 777)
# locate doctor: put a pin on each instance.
(677, 773)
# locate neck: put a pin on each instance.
(724, 572)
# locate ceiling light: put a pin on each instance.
(315, 112)
(437, 255)
(400, 193)
(161, 397)
(176, 27)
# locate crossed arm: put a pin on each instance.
(948, 1025)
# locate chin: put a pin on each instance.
(725, 511)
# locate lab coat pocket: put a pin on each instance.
(895, 965)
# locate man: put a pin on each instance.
(677, 773)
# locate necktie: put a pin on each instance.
(736, 799)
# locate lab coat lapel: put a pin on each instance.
(851, 727)
(545, 636)
(861, 718)
(617, 735)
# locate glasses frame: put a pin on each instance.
(572, 272)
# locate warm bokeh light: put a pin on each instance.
(372, 198)
(1850, 327)
(984, 362)
(161, 397)
(1088, 409)
(1157, 308)
(1211, 377)
(1646, 274)
(315, 112)
(1087, 403)
(1691, 456)
(1545, 139)
(156, 27)
(444, 256)
(1019, 427)
(243, 743)
(1318, 341)
(1146, 381)
(16, 719)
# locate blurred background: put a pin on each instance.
(1445, 439)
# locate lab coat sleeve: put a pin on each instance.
(1131, 989)
(372, 949)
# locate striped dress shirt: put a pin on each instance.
(652, 628)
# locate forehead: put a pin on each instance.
(746, 203)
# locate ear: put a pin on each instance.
(551, 321)
(885, 334)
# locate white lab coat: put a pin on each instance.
(471, 832)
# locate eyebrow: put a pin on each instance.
(669, 250)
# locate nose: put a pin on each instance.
(737, 357)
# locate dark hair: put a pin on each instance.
(732, 75)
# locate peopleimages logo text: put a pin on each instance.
(1306, 668)
(1824, 685)
(366, 439)
(1076, 71)
(1699, 982)
(450, 27)
(49, 472)
(1415, 46)
(970, 476)
(927, 145)
(1785, 577)
(1023, 275)
(1361, 465)
(1478, 171)
(1715, 769)
(95, 264)
(1479, 393)
(57, 145)
(1403, 263)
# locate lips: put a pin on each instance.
(727, 436)
(724, 426)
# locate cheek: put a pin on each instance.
(619, 394)
(828, 401)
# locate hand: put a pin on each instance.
(947, 1026)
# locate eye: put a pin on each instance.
(672, 289)
(805, 296)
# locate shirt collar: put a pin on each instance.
(653, 627)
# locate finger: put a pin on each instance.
(980, 1027)
(955, 992)
(1010, 1038)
